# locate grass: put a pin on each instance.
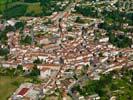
(27, 9)
(22, 9)
(9, 84)
(3, 1)
(2, 5)
(18, 9)
(35, 8)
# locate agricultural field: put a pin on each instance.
(2, 4)
(9, 84)
(3, 1)
(21, 9)
(29, 8)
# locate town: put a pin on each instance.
(62, 51)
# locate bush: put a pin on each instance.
(26, 40)
(87, 11)
(3, 37)
(19, 25)
(121, 41)
(37, 61)
(4, 51)
(35, 71)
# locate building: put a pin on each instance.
(26, 91)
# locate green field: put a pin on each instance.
(9, 84)
(2, 6)
(3, 1)
(20, 9)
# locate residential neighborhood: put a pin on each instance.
(81, 44)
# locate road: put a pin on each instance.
(60, 15)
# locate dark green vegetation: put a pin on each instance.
(31, 1)
(4, 38)
(35, 71)
(6, 1)
(114, 21)
(49, 6)
(17, 8)
(15, 11)
(3, 34)
(110, 17)
(120, 41)
(26, 40)
(14, 72)
(4, 51)
(87, 10)
(37, 61)
(19, 25)
(113, 84)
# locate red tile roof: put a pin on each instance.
(23, 91)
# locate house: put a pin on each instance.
(9, 65)
(26, 91)
(44, 73)
(21, 91)
(11, 22)
(94, 97)
(68, 74)
(81, 98)
(45, 41)
(104, 39)
(50, 47)
(28, 66)
(47, 70)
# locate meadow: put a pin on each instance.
(3, 1)
(8, 85)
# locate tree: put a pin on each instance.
(3, 37)
(20, 67)
(9, 29)
(4, 51)
(45, 6)
(26, 40)
(35, 71)
(78, 19)
(37, 61)
(19, 25)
